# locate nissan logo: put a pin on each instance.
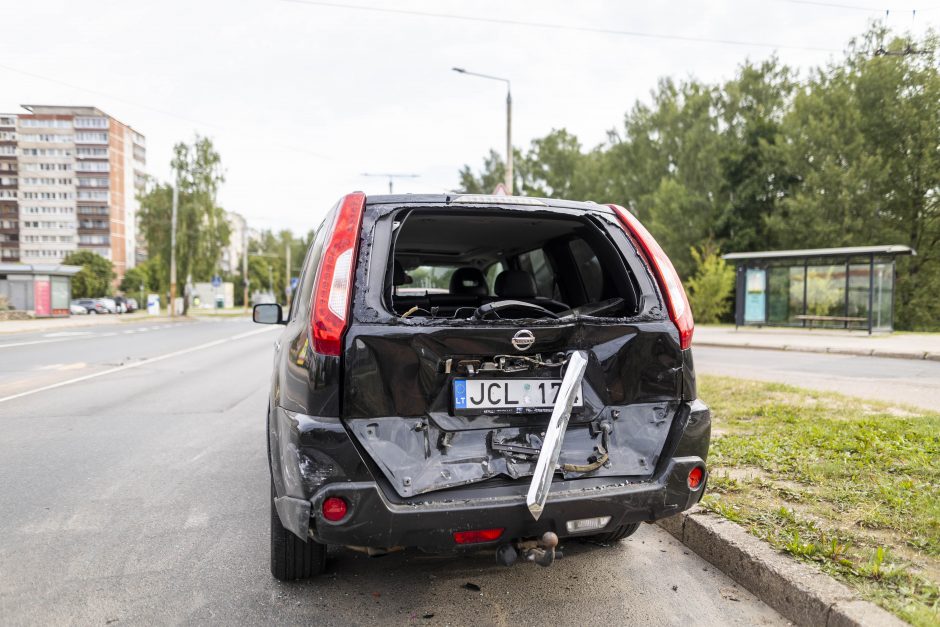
(523, 339)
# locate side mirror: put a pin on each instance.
(267, 313)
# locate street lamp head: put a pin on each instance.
(459, 69)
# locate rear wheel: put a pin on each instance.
(618, 534)
(291, 557)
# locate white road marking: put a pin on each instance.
(137, 364)
(11, 345)
(78, 365)
(68, 334)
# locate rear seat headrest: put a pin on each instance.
(468, 281)
(399, 277)
(515, 284)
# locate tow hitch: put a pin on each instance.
(541, 551)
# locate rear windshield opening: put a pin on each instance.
(493, 266)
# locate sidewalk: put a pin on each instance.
(898, 345)
(59, 324)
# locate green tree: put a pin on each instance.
(95, 277)
(864, 141)
(555, 167)
(272, 248)
(265, 275)
(849, 156)
(755, 174)
(202, 230)
(147, 274)
(492, 174)
(711, 286)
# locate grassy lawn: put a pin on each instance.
(852, 486)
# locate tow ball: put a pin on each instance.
(541, 551)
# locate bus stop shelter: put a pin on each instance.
(44, 290)
(843, 288)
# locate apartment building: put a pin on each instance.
(72, 174)
(9, 211)
(240, 236)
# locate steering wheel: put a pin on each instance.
(594, 309)
(498, 307)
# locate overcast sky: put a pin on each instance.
(301, 99)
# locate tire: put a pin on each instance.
(92, 312)
(618, 534)
(291, 557)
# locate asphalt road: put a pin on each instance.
(913, 382)
(139, 494)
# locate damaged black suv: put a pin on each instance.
(470, 371)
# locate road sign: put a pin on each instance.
(216, 281)
(294, 282)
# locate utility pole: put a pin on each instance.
(461, 70)
(173, 248)
(392, 177)
(245, 264)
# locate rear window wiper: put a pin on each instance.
(595, 309)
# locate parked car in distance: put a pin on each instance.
(132, 305)
(92, 305)
(533, 382)
(77, 310)
(108, 304)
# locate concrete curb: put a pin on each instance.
(835, 350)
(800, 593)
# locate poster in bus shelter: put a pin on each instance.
(755, 297)
(42, 301)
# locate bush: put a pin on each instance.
(94, 279)
(711, 287)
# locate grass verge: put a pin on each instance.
(849, 485)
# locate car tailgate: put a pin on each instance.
(398, 399)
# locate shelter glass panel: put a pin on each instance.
(825, 292)
(883, 296)
(778, 294)
(796, 294)
(858, 295)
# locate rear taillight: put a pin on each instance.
(333, 289)
(695, 477)
(478, 535)
(334, 509)
(666, 275)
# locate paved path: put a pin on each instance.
(141, 495)
(902, 381)
(904, 345)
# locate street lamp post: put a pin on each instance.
(461, 70)
(176, 185)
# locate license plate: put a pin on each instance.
(508, 396)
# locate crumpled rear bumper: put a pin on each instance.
(374, 521)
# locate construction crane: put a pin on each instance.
(391, 178)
